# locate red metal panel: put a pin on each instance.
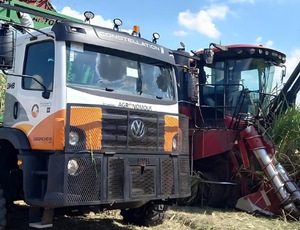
(45, 4)
(212, 142)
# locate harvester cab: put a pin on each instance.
(227, 93)
(235, 84)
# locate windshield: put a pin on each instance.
(122, 73)
(242, 85)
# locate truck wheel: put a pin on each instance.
(147, 215)
(2, 211)
(8, 163)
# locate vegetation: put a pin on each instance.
(285, 134)
(177, 218)
(2, 94)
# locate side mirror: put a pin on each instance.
(208, 56)
(6, 47)
(46, 94)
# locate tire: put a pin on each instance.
(2, 211)
(212, 194)
(8, 162)
(149, 214)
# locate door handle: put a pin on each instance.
(16, 110)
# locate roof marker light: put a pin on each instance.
(88, 16)
(155, 36)
(117, 22)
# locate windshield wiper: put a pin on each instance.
(109, 89)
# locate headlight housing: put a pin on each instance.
(73, 167)
(174, 143)
(73, 138)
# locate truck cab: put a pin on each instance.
(91, 118)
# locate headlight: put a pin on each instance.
(73, 138)
(174, 143)
(73, 167)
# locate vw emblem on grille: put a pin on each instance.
(137, 129)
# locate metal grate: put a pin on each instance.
(86, 185)
(167, 183)
(142, 181)
(116, 178)
(185, 183)
(184, 127)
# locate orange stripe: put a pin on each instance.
(171, 129)
(90, 121)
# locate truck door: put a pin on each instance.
(35, 109)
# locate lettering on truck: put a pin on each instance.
(43, 139)
(132, 41)
(135, 106)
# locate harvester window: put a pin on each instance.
(213, 90)
(39, 63)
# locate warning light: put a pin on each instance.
(136, 31)
(19, 162)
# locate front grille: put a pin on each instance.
(112, 129)
(116, 130)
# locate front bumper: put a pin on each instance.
(103, 179)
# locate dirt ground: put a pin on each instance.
(178, 218)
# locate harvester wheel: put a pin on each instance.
(212, 194)
(2, 211)
(149, 214)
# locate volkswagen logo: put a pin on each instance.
(137, 129)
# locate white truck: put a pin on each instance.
(91, 120)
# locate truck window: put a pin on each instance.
(105, 69)
(39, 63)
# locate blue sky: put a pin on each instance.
(272, 23)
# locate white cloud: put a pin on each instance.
(202, 21)
(72, 13)
(180, 33)
(259, 41)
(269, 43)
(97, 20)
(291, 62)
(242, 1)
